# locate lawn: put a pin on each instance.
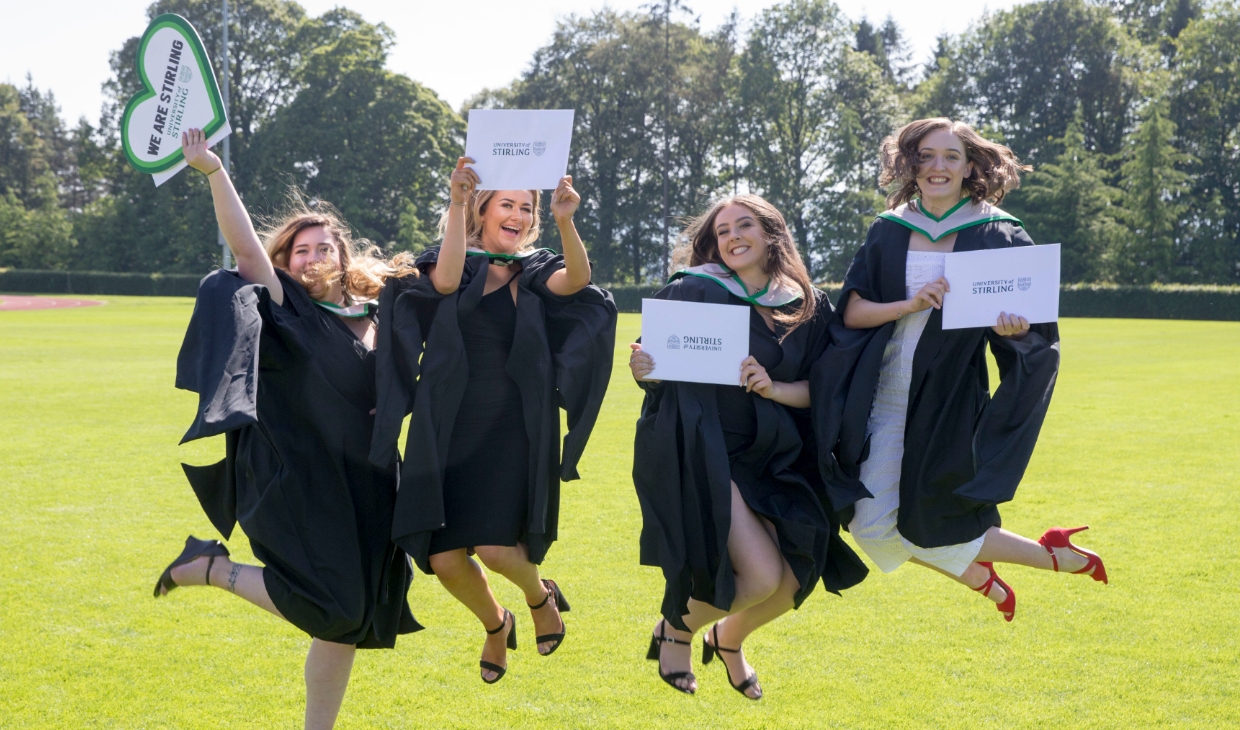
(1142, 443)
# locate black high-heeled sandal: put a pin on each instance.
(194, 549)
(561, 605)
(653, 654)
(512, 644)
(709, 651)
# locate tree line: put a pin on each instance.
(1128, 111)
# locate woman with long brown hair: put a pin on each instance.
(482, 350)
(281, 353)
(920, 438)
(728, 476)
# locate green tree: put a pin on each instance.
(1205, 107)
(1157, 22)
(617, 70)
(1023, 72)
(1153, 203)
(34, 231)
(374, 143)
(813, 111)
(1070, 202)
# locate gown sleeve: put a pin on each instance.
(838, 394)
(581, 332)
(398, 354)
(1008, 428)
(219, 360)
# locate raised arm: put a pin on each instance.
(253, 263)
(576, 272)
(446, 273)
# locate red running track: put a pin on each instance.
(10, 303)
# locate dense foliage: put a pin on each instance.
(1129, 111)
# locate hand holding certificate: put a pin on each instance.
(519, 149)
(693, 342)
(1022, 280)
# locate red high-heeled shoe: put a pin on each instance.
(1008, 607)
(1057, 537)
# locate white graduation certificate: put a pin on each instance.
(1022, 280)
(695, 342)
(519, 149)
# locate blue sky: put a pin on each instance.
(456, 47)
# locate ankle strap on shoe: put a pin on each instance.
(546, 597)
(503, 622)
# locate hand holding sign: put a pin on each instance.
(641, 364)
(565, 199)
(1011, 325)
(179, 92)
(197, 153)
(464, 181)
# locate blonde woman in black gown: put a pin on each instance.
(499, 334)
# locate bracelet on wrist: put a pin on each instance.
(209, 174)
(454, 204)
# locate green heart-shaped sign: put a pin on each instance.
(178, 92)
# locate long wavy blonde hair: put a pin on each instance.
(699, 245)
(477, 205)
(363, 266)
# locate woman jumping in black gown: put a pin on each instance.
(280, 352)
(485, 347)
(732, 502)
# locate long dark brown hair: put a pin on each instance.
(996, 170)
(699, 245)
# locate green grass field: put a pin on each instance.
(1142, 443)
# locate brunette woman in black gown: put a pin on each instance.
(919, 428)
(727, 476)
(280, 352)
(498, 335)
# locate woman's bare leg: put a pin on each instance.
(735, 629)
(758, 567)
(244, 580)
(974, 576)
(513, 562)
(328, 666)
(467, 583)
(1002, 546)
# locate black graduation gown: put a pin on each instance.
(292, 388)
(965, 451)
(561, 358)
(682, 468)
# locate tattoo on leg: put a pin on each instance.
(232, 578)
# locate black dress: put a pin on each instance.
(965, 451)
(693, 439)
(486, 488)
(291, 388)
(560, 356)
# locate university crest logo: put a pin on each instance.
(673, 343)
(539, 148)
(1024, 282)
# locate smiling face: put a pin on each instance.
(506, 221)
(942, 167)
(741, 238)
(313, 245)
